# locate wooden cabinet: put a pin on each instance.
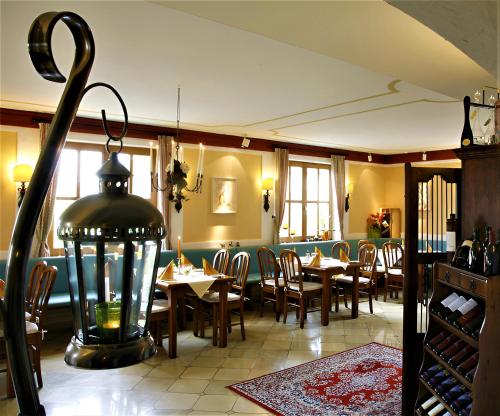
(486, 291)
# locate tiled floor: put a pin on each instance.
(194, 383)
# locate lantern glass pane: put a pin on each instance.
(73, 286)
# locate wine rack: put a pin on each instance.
(484, 386)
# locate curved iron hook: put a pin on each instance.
(40, 50)
(103, 113)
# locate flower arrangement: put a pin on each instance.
(177, 177)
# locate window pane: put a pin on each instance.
(295, 219)
(90, 162)
(59, 206)
(141, 179)
(296, 183)
(67, 177)
(285, 226)
(324, 216)
(312, 219)
(324, 185)
(312, 184)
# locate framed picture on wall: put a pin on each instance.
(224, 196)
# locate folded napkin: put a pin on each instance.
(344, 257)
(207, 268)
(185, 261)
(2, 288)
(316, 261)
(168, 272)
(317, 250)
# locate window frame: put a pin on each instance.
(304, 201)
(79, 147)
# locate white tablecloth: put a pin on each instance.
(197, 280)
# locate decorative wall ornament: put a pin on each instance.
(224, 196)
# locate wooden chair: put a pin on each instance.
(337, 248)
(235, 298)
(362, 243)
(295, 287)
(159, 314)
(367, 273)
(36, 271)
(42, 288)
(271, 284)
(221, 260)
(393, 262)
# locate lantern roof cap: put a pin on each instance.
(113, 167)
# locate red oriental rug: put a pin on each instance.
(364, 381)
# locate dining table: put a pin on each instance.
(328, 268)
(176, 289)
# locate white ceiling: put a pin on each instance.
(359, 75)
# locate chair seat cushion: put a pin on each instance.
(348, 279)
(213, 297)
(271, 282)
(396, 272)
(159, 305)
(31, 328)
(307, 286)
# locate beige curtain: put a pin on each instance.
(281, 175)
(163, 159)
(337, 170)
(40, 246)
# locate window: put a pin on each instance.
(77, 176)
(307, 206)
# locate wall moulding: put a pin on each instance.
(30, 119)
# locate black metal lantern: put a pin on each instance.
(112, 244)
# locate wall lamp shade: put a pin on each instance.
(349, 189)
(111, 290)
(267, 185)
(22, 174)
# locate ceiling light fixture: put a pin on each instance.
(178, 169)
(370, 158)
(245, 143)
(424, 156)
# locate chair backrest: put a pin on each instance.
(362, 243)
(268, 266)
(43, 289)
(341, 246)
(393, 255)
(221, 260)
(368, 260)
(291, 268)
(35, 274)
(239, 269)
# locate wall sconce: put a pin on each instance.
(267, 185)
(22, 174)
(350, 188)
(370, 157)
(424, 156)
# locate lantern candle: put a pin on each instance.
(107, 317)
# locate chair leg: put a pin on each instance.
(242, 322)
(182, 314)
(285, 308)
(10, 384)
(196, 317)
(279, 301)
(337, 296)
(345, 298)
(38, 367)
(302, 311)
(376, 288)
(261, 302)
(370, 302)
(229, 323)
(385, 289)
(201, 319)
(215, 324)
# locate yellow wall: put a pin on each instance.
(199, 224)
(8, 152)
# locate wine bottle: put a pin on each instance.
(474, 325)
(445, 344)
(468, 364)
(438, 378)
(451, 235)
(461, 355)
(452, 307)
(461, 402)
(431, 372)
(436, 410)
(437, 339)
(452, 350)
(462, 310)
(446, 385)
(466, 139)
(444, 303)
(427, 404)
(491, 255)
(475, 258)
(468, 317)
(454, 393)
(461, 258)
(466, 411)
(471, 373)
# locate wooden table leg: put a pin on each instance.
(223, 316)
(326, 297)
(355, 293)
(172, 323)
